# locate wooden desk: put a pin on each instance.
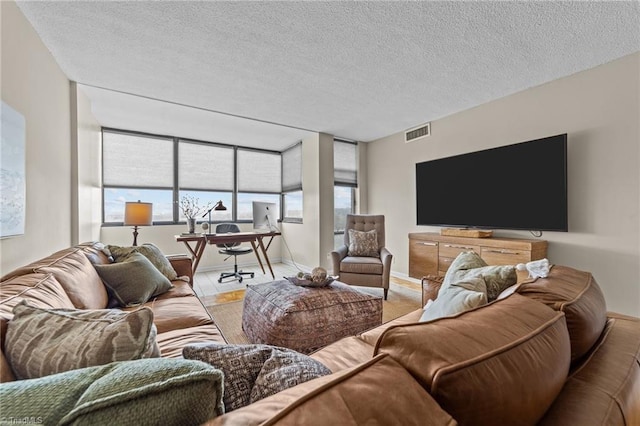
(255, 238)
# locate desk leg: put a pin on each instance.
(255, 250)
(196, 254)
(266, 257)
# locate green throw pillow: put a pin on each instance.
(158, 391)
(151, 252)
(133, 281)
(40, 342)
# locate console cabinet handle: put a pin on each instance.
(429, 244)
(458, 246)
(501, 251)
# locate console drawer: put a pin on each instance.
(453, 250)
(497, 256)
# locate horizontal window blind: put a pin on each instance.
(259, 171)
(205, 166)
(137, 160)
(345, 163)
(292, 168)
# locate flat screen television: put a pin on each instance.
(521, 186)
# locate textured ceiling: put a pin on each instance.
(358, 70)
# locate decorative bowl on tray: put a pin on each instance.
(303, 282)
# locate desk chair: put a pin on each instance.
(232, 249)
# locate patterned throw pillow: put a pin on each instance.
(363, 244)
(151, 252)
(40, 341)
(253, 372)
(157, 391)
(133, 281)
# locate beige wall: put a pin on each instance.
(600, 111)
(34, 85)
(86, 193)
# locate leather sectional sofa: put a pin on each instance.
(547, 354)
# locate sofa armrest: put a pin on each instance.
(182, 265)
(336, 257)
(430, 287)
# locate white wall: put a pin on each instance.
(311, 241)
(34, 85)
(600, 111)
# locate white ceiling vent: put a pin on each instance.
(416, 133)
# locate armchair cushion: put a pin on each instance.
(361, 265)
(363, 244)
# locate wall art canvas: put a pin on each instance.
(12, 172)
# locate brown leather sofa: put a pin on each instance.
(547, 354)
(68, 275)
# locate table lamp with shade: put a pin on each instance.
(137, 213)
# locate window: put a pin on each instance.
(259, 179)
(345, 179)
(292, 183)
(137, 168)
(160, 170)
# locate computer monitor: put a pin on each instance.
(264, 215)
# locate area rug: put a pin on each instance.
(401, 300)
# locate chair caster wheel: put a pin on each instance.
(219, 280)
(252, 275)
(240, 280)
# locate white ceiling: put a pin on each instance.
(357, 70)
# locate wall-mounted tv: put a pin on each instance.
(521, 186)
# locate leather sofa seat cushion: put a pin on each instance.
(79, 279)
(172, 342)
(605, 389)
(178, 312)
(376, 392)
(502, 363)
(577, 294)
(361, 265)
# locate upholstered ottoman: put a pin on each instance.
(305, 319)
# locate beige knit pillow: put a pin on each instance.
(40, 342)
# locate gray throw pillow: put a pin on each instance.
(253, 372)
(363, 244)
(151, 252)
(156, 391)
(469, 265)
(134, 280)
(41, 342)
(457, 298)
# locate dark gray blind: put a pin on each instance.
(205, 166)
(131, 160)
(345, 163)
(259, 171)
(292, 168)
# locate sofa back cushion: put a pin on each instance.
(78, 277)
(577, 294)
(502, 363)
(378, 392)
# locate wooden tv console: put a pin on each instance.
(431, 253)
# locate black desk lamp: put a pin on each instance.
(217, 207)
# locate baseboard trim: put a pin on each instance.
(405, 277)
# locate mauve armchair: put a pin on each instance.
(360, 270)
